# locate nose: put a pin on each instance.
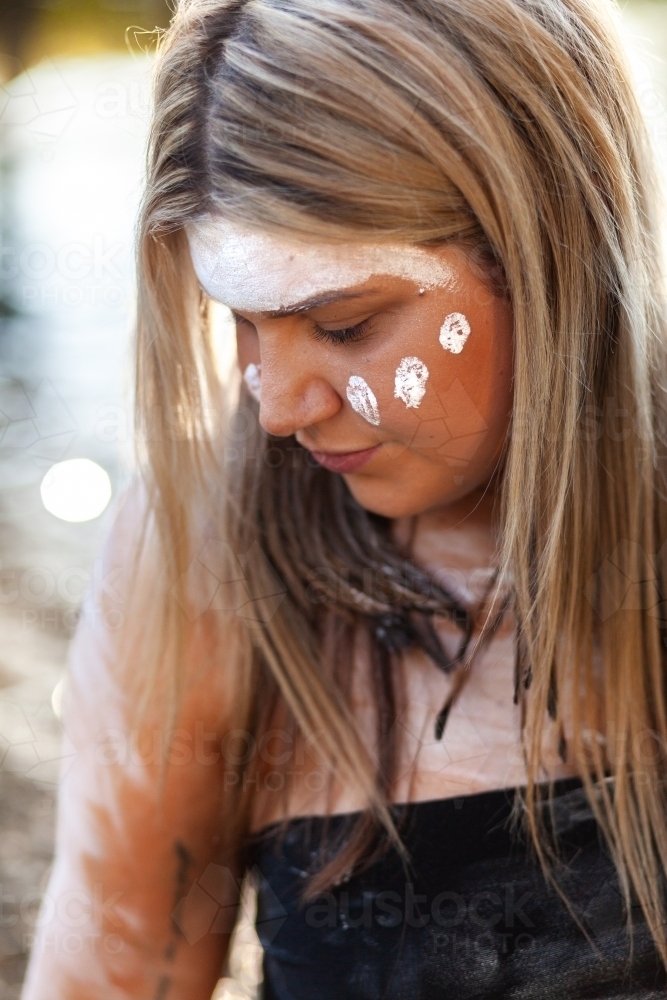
(295, 392)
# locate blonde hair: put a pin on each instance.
(509, 126)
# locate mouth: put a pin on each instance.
(345, 461)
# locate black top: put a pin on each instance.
(472, 917)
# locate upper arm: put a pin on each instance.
(143, 891)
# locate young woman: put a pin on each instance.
(388, 633)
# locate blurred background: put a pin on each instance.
(74, 106)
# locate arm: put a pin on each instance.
(142, 896)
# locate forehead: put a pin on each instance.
(259, 272)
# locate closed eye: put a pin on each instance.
(345, 335)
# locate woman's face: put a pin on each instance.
(401, 382)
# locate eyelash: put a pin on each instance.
(344, 336)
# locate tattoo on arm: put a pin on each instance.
(184, 862)
(162, 988)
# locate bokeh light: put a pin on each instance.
(76, 490)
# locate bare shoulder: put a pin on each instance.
(143, 809)
(138, 628)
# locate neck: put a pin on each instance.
(456, 543)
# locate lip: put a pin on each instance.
(344, 461)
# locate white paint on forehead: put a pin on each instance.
(252, 377)
(362, 399)
(454, 332)
(410, 381)
(256, 272)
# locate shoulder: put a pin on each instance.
(140, 634)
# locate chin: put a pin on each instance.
(416, 495)
(392, 500)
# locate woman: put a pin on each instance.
(411, 589)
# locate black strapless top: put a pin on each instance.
(473, 916)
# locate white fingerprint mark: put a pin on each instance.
(362, 399)
(454, 332)
(252, 377)
(410, 382)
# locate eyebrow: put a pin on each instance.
(317, 301)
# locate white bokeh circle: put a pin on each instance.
(76, 490)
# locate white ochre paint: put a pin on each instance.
(362, 399)
(252, 377)
(256, 272)
(410, 382)
(454, 332)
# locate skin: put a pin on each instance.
(435, 474)
(429, 457)
(155, 859)
(126, 915)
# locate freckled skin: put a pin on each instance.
(431, 456)
(435, 475)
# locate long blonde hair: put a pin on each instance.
(511, 127)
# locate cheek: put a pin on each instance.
(473, 395)
(385, 388)
(410, 381)
(362, 399)
(452, 396)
